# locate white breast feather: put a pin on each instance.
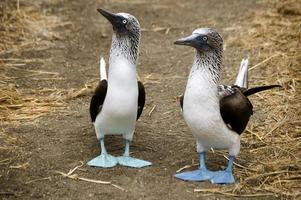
(202, 114)
(119, 112)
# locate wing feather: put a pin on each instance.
(236, 110)
(98, 99)
(141, 99)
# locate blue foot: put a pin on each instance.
(223, 177)
(132, 162)
(104, 160)
(197, 175)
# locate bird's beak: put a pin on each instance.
(113, 18)
(191, 40)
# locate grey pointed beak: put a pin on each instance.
(113, 18)
(191, 40)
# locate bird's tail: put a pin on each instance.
(242, 76)
(102, 66)
(254, 90)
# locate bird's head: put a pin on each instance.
(123, 23)
(203, 40)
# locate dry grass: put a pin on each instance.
(73, 176)
(24, 29)
(17, 107)
(273, 35)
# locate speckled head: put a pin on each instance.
(204, 40)
(126, 36)
(123, 23)
(209, 51)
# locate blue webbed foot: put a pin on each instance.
(132, 162)
(197, 175)
(223, 177)
(201, 174)
(103, 160)
(128, 161)
(226, 176)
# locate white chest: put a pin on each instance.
(119, 112)
(201, 106)
(202, 113)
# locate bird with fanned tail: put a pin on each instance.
(119, 99)
(216, 114)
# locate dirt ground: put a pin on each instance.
(62, 140)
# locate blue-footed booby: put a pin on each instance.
(119, 99)
(216, 114)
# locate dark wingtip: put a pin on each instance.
(254, 90)
(272, 86)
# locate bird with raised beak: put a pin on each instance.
(119, 99)
(216, 114)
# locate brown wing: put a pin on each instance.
(236, 110)
(141, 99)
(181, 101)
(97, 99)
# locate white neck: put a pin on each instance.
(125, 46)
(123, 60)
(206, 65)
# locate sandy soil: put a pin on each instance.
(61, 141)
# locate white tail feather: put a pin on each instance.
(102, 66)
(242, 76)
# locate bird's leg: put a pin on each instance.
(104, 159)
(230, 164)
(102, 146)
(126, 160)
(226, 176)
(197, 175)
(126, 148)
(202, 161)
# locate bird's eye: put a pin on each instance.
(205, 38)
(124, 21)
